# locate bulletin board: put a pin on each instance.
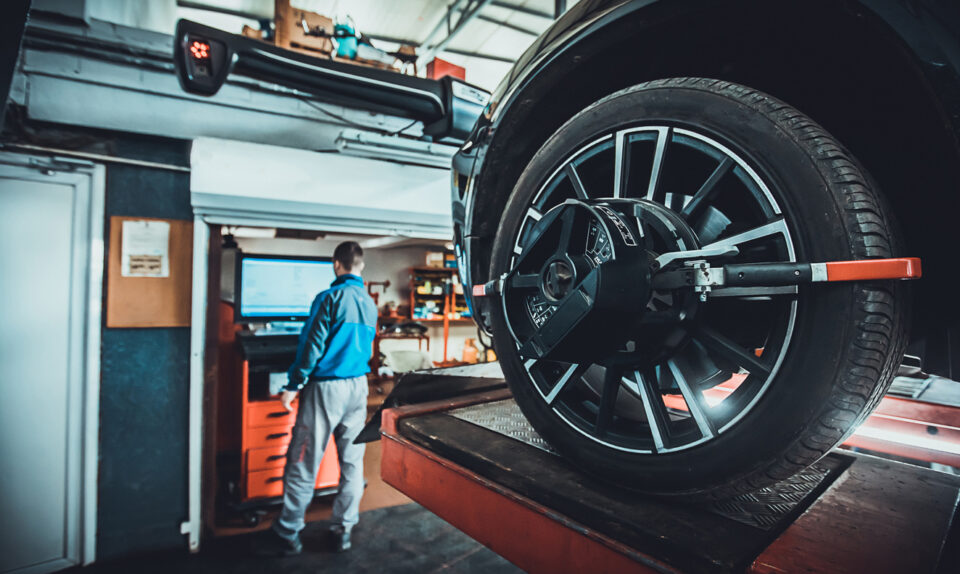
(151, 301)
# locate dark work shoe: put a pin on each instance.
(341, 538)
(271, 544)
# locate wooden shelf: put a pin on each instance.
(425, 269)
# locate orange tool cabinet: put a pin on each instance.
(267, 429)
(253, 428)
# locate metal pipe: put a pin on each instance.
(94, 156)
(465, 19)
(559, 7)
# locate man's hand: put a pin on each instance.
(286, 399)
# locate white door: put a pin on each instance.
(45, 279)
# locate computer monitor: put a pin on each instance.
(278, 288)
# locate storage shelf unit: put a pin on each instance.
(443, 285)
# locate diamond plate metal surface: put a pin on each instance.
(503, 417)
(764, 509)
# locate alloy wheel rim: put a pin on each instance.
(673, 405)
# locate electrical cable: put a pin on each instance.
(338, 117)
(408, 126)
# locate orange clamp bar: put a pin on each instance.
(479, 290)
(867, 269)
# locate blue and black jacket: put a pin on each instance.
(337, 340)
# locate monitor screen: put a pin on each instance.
(280, 288)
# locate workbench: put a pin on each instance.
(475, 461)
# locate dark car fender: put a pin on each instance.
(925, 30)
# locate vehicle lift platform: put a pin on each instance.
(474, 461)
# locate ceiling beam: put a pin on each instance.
(443, 21)
(491, 57)
(523, 10)
(224, 10)
(508, 25)
(465, 53)
(470, 11)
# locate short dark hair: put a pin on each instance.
(349, 254)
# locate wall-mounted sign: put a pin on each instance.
(145, 249)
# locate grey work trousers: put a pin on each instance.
(337, 407)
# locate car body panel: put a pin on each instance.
(927, 30)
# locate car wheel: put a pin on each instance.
(672, 391)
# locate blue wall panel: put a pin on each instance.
(145, 379)
(143, 440)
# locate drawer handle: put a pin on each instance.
(277, 435)
(275, 457)
(274, 479)
(278, 414)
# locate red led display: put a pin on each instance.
(200, 50)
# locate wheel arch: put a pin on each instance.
(841, 63)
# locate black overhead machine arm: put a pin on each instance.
(205, 57)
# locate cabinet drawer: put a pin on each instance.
(267, 436)
(269, 413)
(269, 483)
(265, 483)
(263, 458)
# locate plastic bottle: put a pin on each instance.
(470, 352)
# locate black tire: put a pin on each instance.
(848, 338)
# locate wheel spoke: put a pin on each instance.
(730, 350)
(608, 399)
(706, 191)
(572, 372)
(663, 138)
(653, 406)
(619, 165)
(575, 181)
(775, 227)
(695, 402)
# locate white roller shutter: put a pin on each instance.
(240, 183)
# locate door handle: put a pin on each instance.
(275, 457)
(277, 435)
(278, 414)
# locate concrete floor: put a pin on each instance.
(378, 494)
(399, 539)
(394, 535)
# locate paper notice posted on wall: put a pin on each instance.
(145, 249)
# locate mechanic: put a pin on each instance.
(329, 374)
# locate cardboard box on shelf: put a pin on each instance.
(251, 32)
(435, 259)
(438, 68)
